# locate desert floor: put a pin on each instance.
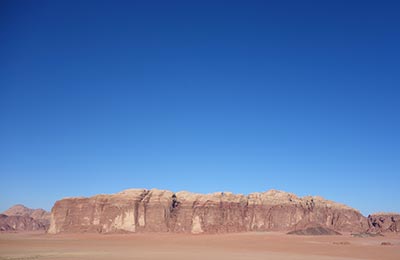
(271, 246)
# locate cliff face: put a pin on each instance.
(184, 212)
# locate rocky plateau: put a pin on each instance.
(141, 210)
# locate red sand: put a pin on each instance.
(272, 246)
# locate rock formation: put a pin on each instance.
(21, 218)
(20, 223)
(140, 210)
(384, 222)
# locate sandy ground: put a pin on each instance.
(271, 246)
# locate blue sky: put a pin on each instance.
(302, 96)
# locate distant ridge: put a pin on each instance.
(142, 210)
(21, 218)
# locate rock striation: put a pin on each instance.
(141, 210)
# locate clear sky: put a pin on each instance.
(205, 96)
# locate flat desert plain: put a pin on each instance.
(272, 246)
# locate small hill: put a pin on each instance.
(18, 210)
(315, 231)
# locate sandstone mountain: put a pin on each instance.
(140, 210)
(18, 210)
(20, 223)
(21, 218)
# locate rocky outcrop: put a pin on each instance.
(39, 215)
(20, 223)
(384, 222)
(140, 210)
(20, 218)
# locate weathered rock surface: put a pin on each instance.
(384, 222)
(20, 223)
(140, 210)
(20, 218)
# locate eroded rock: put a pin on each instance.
(21, 218)
(20, 223)
(384, 222)
(140, 210)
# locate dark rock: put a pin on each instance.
(315, 231)
(384, 223)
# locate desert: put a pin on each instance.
(259, 245)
